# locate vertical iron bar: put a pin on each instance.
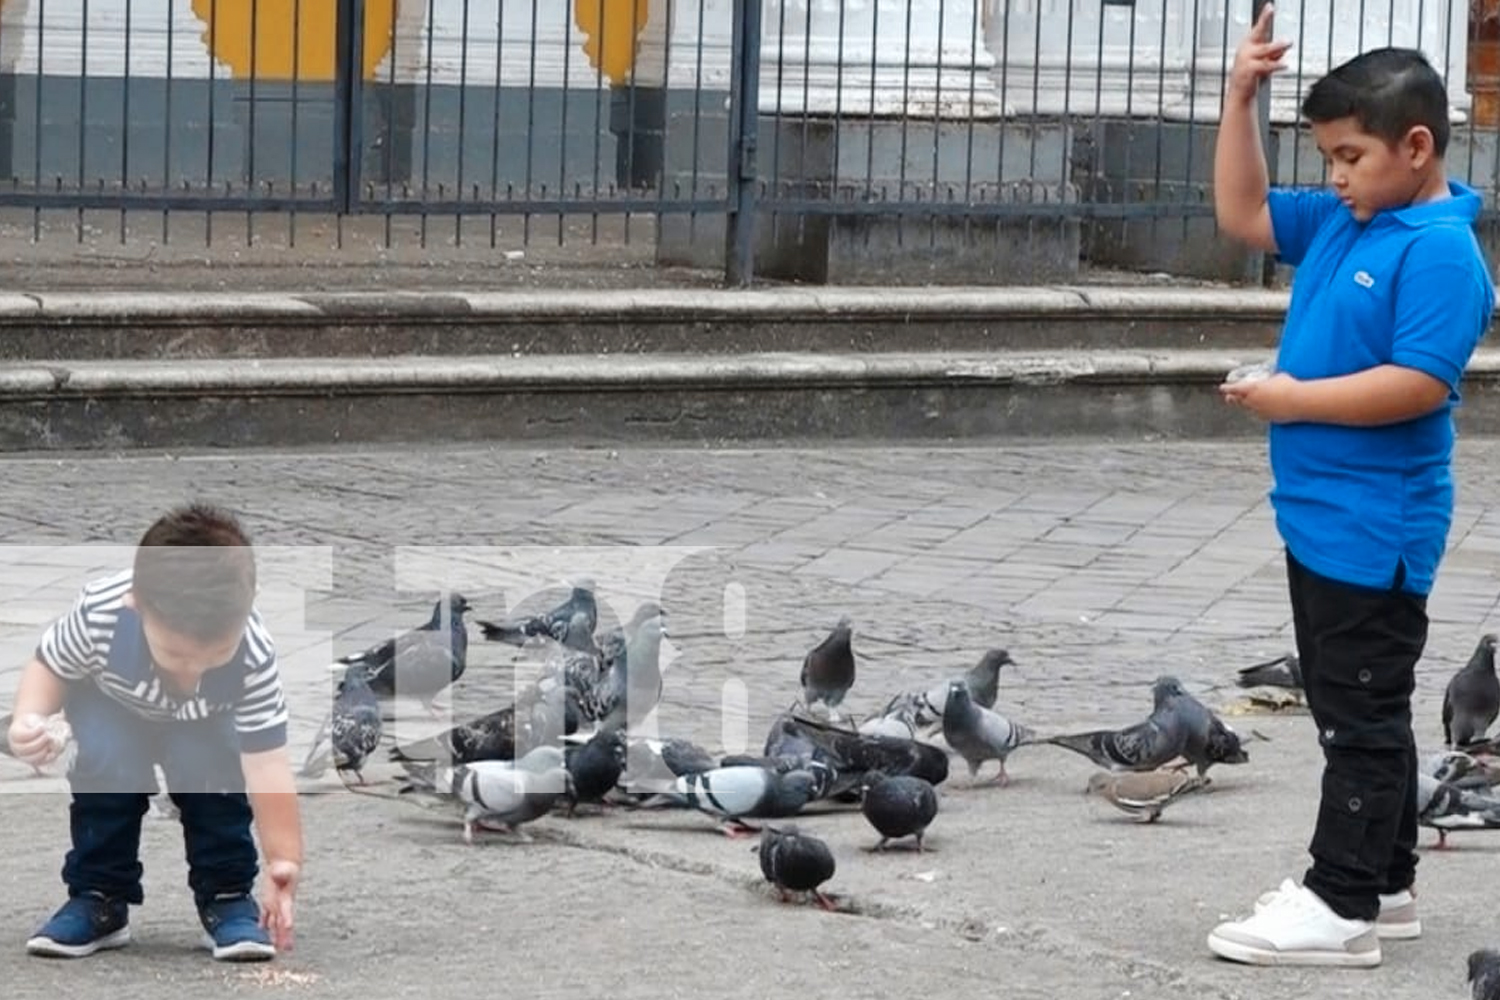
(427, 120)
(495, 121)
(463, 93)
(125, 124)
(744, 101)
(347, 104)
(83, 111)
(1263, 109)
(562, 152)
(291, 222)
(166, 152)
(697, 122)
(36, 117)
(531, 112)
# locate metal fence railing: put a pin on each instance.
(807, 138)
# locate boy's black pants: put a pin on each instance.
(1359, 649)
(114, 773)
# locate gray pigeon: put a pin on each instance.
(633, 685)
(1145, 746)
(980, 734)
(1210, 741)
(828, 668)
(495, 794)
(900, 806)
(1472, 699)
(1484, 974)
(796, 861)
(745, 792)
(982, 680)
(423, 662)
(1284, 671)
(555, 624)
(1447, 809)
(354, 727)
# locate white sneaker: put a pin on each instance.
(1398, 919)
(1295, 927)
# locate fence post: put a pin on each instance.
(744, 123)
(348, 103)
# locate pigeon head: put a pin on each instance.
(802, 783)
(583, 585)
(1487, 649)
(646, 611)
(1165, 688)
(958, 697)
(1098, 782)
(455, 604)
(992, 661)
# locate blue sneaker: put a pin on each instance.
(86, 923)
(234, 930)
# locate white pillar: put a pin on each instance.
(1087, 57)
(917, 58)
(1328, 33)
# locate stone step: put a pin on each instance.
(603, 399)
(152, 326)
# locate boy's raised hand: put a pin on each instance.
(1258, 56)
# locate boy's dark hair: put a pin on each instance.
(1388, 91)
(195, 573)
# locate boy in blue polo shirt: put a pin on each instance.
(1390, 297)
(168, 663)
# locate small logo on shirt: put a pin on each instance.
(1363, 279)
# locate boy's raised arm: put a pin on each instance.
(1240, 178)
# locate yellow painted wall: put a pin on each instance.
(228, 34)
(611, 28)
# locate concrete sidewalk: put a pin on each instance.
(1098, 566)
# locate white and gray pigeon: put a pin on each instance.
(1472, 699)
(1484, 974)
(423, 662)
(980, 734)
(1145, 746)
(494, 795)
(1447, 809)
(982, 680)
(828, 668)
(735, 794)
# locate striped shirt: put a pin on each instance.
(101, 641)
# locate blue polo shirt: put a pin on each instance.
(1369, 505)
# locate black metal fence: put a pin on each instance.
(815, 139)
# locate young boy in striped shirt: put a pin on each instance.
(168, 663)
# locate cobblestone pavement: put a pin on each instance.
(1098, 566)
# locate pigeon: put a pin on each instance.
(980, 734)
(745, 792)
(1463, 770)
(652, 764)
(796, 861)
(1446, 809)
(1209, 740)
(851, 755)
(828, 668)
(1285, 671)
(899, 806)
(495, 794)
(899, 722)
(982, 680)
(1144, 794)
(499, 734)
(556, 624)
(596, 767)
(353, 728)
(1145, 746)
(1472, 699)
(423, 662)
(633, 686)
(1484, 974)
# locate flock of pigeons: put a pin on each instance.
(571, 737)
